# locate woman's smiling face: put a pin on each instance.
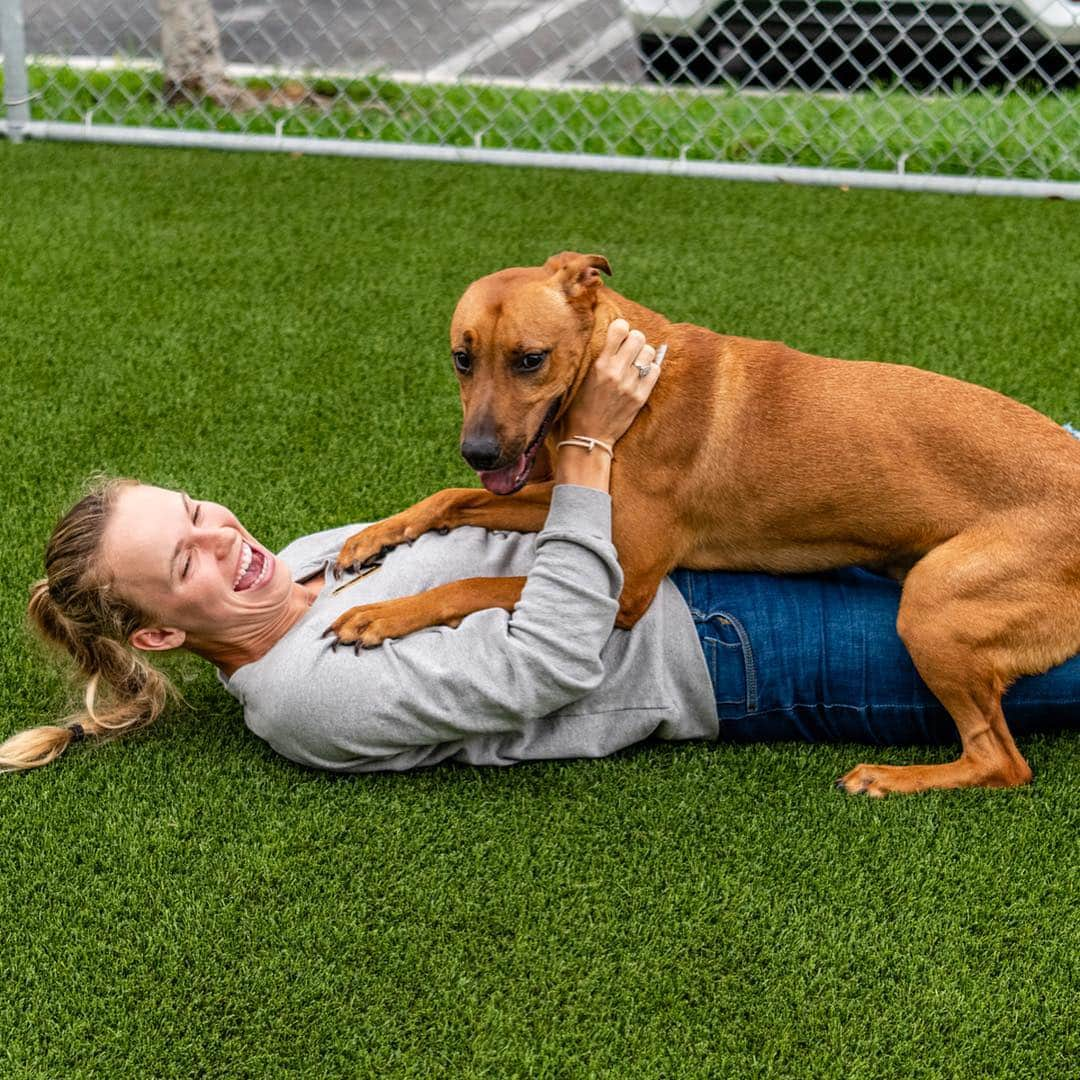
(194, 566)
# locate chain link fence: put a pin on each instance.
(923, 93)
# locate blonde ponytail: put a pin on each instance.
(76, 610)
(37, 746)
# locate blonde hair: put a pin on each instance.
(76, 608)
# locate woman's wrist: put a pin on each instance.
(585, 467)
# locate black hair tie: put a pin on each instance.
(77, 732)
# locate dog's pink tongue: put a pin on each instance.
(501, 481)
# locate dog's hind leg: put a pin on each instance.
(977, 613)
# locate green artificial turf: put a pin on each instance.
(270, 332)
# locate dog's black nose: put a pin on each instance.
(481, 454)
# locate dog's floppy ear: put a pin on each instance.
(579, 274)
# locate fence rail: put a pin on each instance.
(955, 96)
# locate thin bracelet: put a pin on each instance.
(587, 443)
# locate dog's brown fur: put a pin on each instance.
(750, 455)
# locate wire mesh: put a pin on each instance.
(943, 88)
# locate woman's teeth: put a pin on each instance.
(253, 569)
(245, 562)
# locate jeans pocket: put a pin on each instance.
(731, 663)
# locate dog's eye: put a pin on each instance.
(531, 361)
(462, 361)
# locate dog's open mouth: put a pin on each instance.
(511, 478)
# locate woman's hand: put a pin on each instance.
(605, 406)
(614, 391)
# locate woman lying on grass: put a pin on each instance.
(134, 569)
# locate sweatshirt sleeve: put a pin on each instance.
(415, 700)
(567, 609)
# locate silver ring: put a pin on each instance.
(643, 370)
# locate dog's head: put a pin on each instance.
(522, 340)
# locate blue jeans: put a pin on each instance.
(816, 657)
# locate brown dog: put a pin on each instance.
(750, 455)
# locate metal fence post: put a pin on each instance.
(16, 90)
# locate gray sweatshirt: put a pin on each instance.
(552, 679)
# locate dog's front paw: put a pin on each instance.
(369, 625)
(368, 546)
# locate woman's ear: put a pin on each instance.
(157, 639)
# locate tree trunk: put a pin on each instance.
(194, 65)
